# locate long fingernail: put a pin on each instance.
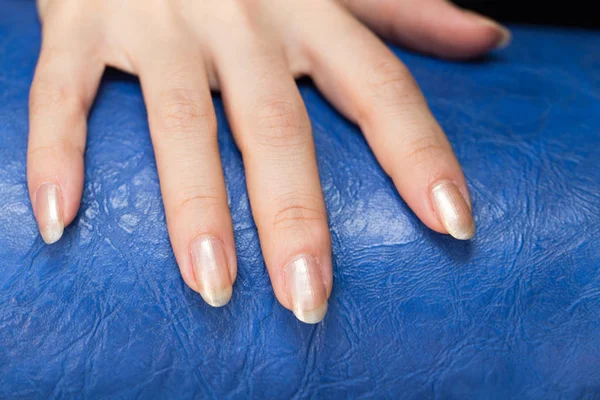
(505, 39)
(49, 212)
(453, 210)
(505, 36)
(209, 261)
(306, 289)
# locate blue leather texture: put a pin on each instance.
(512, 314)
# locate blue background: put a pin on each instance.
(515, 313)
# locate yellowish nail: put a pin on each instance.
(453, 210)
(306, 289)
(49, 212)
(210, 265)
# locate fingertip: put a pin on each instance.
(448, 31)
(211, 270)
(306, 289)
(48, 208)
(505, 38)
(440, 199)
(52, 234)
(219, 298)
(452, 209)
(313, 316)
(493, 35)
(55, 181)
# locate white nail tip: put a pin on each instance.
(505, 40)
(313, 316)
(211, 271)
(52, 233)
(217, 299)
(306, 289)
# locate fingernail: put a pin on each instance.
(49, 212)
(306, 289)
(505, 37)
(209, 261)
(453, 210)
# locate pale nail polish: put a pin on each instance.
(49, 212)
(306, 289)
(453, 210)
(211, 269)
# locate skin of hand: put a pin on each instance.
(251, 51)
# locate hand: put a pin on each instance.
(251, 50)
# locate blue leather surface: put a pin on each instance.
(515, 313)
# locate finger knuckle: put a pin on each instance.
(424, 151)
(388, 74)
(59, 150)
(281, 123)
(299, 212)
(181, 111)
(47, 95)
(193, 200)
(391, 86)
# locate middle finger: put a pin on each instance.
(273, 132)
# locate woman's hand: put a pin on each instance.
(251, 50)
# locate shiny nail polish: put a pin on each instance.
(306, 289)
(211, 269)
(453, 210)
(49, 212)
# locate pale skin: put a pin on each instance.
(251, 51)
